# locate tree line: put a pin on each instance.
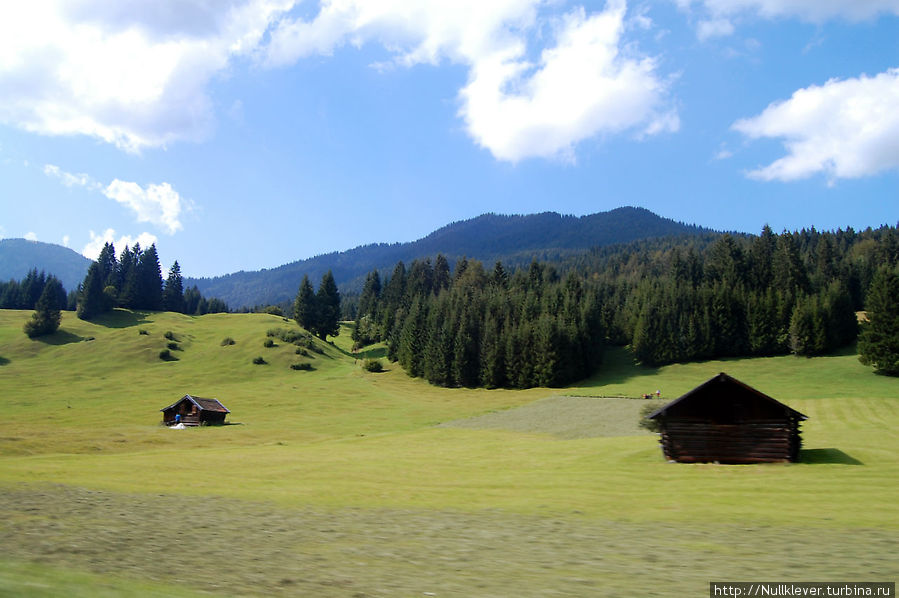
(25, 293)
(669, 300)
(134, 281)
(471, 327)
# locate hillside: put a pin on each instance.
(512, 239)
(18, 256)
(334, 482)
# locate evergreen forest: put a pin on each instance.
(669, 300)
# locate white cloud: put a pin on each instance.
(710, 28)
(135, 74)
(31, 236)
(68, 179)
(130, 73)
(591, 82)
(157, 204)
(718, 15)
(92, 250)
(65, 240)
(844, 129)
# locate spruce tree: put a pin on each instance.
(878, 343)
(149, 280)
(327, 301)
(304, 311)
(92, 302)
(173, 295)
(442, 277)
(46, 317)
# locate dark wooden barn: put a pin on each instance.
(726, 421)
(194, 411)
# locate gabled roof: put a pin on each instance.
(723, 378)
(202, 404)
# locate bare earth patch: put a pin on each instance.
(564, 417)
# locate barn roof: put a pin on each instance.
(201, 403)
(724, 379)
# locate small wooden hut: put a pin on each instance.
(726, 421)
(194, 411)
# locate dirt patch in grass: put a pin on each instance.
(564, 417)
(239, 548)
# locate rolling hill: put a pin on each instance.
(513, 239)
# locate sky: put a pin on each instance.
(245, 134)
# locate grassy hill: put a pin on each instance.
(338, 482)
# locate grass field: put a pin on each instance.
(337, 482)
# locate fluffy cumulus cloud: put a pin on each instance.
(587, 81)
(92, 250)
(843, 129)
(717, 15)
(130, 73)
(157, 204)
(31, 236)
(136, 73)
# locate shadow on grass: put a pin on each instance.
(61, 337)
(3, 361)
(121, 318)
(373, 353)
(832, 456)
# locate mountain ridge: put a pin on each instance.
(488, 237)
(515, 239)
(19, 256)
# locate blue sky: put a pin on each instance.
(244, 134)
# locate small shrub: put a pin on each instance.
(166, 355)
(302, 351)
(169, 335)
(143, 332)
(173, 346)
(653, 425)
(259, 360)
(301, 366)
(227, 341)
(269, 343)
(373, 365)
(297, 337)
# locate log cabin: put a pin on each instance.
(194, 411)
(727, 421)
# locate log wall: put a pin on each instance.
(691, 440)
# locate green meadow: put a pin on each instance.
(333, 481)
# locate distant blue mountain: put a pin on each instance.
(18, 256)
(513, 239)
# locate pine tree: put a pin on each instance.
(93, 302)
(442, 277)
(149, 280)
(304, 311)
(878, 343)
(327, 303)
(129, 292)
(410, 352)
(173, 295)
(46, 317)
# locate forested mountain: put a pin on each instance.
(671, 299)
(515, 240)
(19, 256)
